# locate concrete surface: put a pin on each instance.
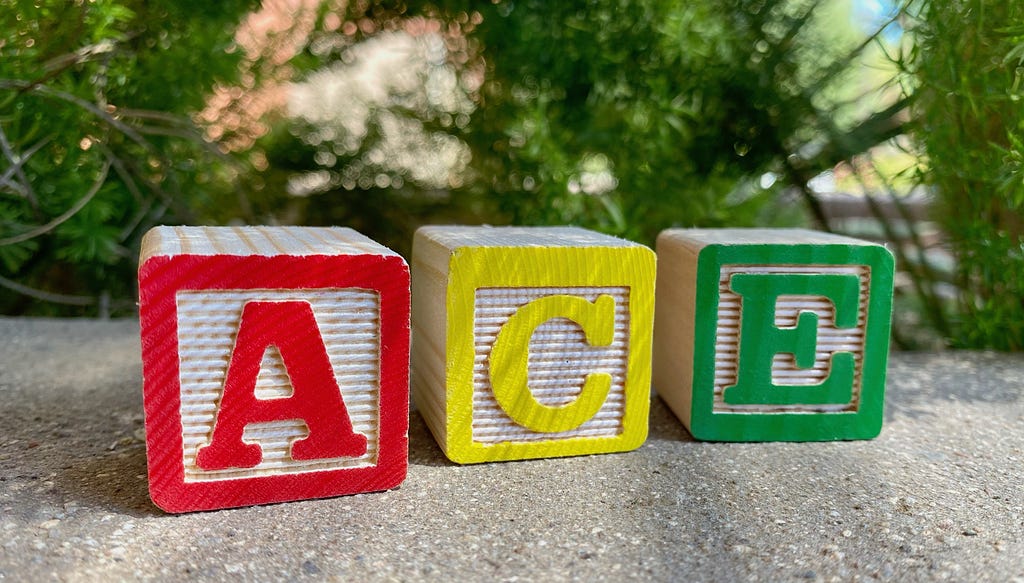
(937, 497)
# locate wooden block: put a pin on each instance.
(772, 334)
(275, 362)
(531, 342)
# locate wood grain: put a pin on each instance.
(195, 283)
(470, 283)
(703, 323)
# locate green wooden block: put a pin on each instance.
(772, 334)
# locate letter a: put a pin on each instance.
(316, 398)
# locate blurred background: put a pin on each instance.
(898, 122)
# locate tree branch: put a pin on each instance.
(43, 229)
(17, 161)
(46, 296)
(25, 187)
(86, 105)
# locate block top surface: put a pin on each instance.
(704, 237)
(453, 237)
(266, 241)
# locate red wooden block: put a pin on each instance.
(275, 365)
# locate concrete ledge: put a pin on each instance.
(938, 496)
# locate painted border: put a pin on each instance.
(593, 266)
(866, 422)
(162, 277)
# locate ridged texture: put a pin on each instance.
(559, 360)
(348, 320)
(784, 369)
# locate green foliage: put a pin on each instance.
(969, 64)
(95, 145)
(627, 117)
(689, 103)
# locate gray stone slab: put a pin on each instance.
(937, 497)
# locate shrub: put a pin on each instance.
(95, 144)
(969, 65)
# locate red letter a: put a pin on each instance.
(316, 398)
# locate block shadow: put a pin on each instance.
(664, 425)
(423, 448)
(115, 481)
(89, 446)
(425, 451)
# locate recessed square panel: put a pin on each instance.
(208, 323)
(827, 339)
(559, 360)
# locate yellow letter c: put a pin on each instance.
(509, 362)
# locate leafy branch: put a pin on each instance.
(57, 221)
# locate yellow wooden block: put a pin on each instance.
(531, 342)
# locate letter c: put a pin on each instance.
(510, 356)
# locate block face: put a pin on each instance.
(791, 341)
(273, 377)
(546, 343)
